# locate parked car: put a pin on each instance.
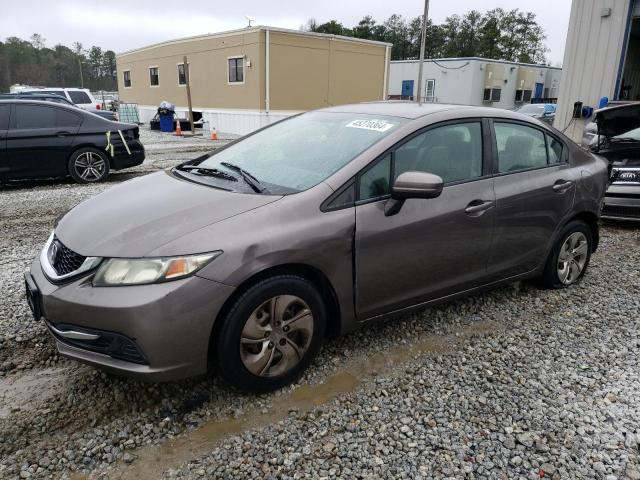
(51, 97)
(615, 134)
(545, 112)
(248, 258)
(42, 139)
(81, 97)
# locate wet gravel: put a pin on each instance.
(515, 383)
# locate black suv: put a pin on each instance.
(43, 139)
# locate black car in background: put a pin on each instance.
(42, 139)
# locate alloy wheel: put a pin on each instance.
(572, 257)
(89, 166)
(276, 336)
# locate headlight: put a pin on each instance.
(141, 271)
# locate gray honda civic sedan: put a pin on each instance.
(245, 260)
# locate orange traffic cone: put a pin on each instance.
(214, 134)
(178, 129)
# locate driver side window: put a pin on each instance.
(453, 152)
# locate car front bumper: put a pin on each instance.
(622, 202)
(156, 332)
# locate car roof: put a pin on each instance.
(412, 110)
(42, 102)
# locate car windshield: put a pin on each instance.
(302, 151)
(532, 109)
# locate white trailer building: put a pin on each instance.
(601, 59)
(475, 81)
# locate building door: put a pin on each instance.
(539, 90)
(407, 88)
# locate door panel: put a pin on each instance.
(431, 248)
(39, 140)
(531, 203)
(4, 125)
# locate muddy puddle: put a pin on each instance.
(21, 393)
(152, 460)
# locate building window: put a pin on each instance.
(492, 94)
(154, 76)
(431, 90)
(236, 70)
(526, 95)
(518, 95)
(126, 76)
(182, 75)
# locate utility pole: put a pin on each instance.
(422, 42)
(81, 78)
(187, 84)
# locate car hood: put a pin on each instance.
(140, 215)
(617, 120)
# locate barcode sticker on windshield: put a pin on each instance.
(375, 125)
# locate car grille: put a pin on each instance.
(65, 260)
(621, 211)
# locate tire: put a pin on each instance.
(258, 348)
(88, 165)
(574, 237)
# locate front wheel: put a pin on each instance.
(271, 334)
(88, 165)
(570, 256)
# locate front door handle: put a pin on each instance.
(63, 134)
(562, 186)
(478, 207)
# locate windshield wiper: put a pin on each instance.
(212, 172)
(250, 179)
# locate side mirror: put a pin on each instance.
(412, 185)
(416, 185)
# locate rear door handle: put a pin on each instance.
(562, 186)
(478, 207)
(63, 134)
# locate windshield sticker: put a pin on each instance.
(375, 125)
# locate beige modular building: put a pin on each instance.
(243, 79)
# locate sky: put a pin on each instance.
(123, 25)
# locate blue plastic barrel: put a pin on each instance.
(166, 122)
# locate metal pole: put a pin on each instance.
(81, 78)
(422, 42)
(186, 79)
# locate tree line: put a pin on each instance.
(31, 62)
(497, 34)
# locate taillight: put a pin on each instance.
(98, 106)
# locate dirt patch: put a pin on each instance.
(24, 393)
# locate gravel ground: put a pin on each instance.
(515, 383)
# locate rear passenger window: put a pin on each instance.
(555, 150)
(375, 182)
(519, 147)
(67, 119)
(454, 152)
(79, 97)
(35, 116)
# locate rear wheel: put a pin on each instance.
(88, 165)
(271, 334)
(569, 257)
